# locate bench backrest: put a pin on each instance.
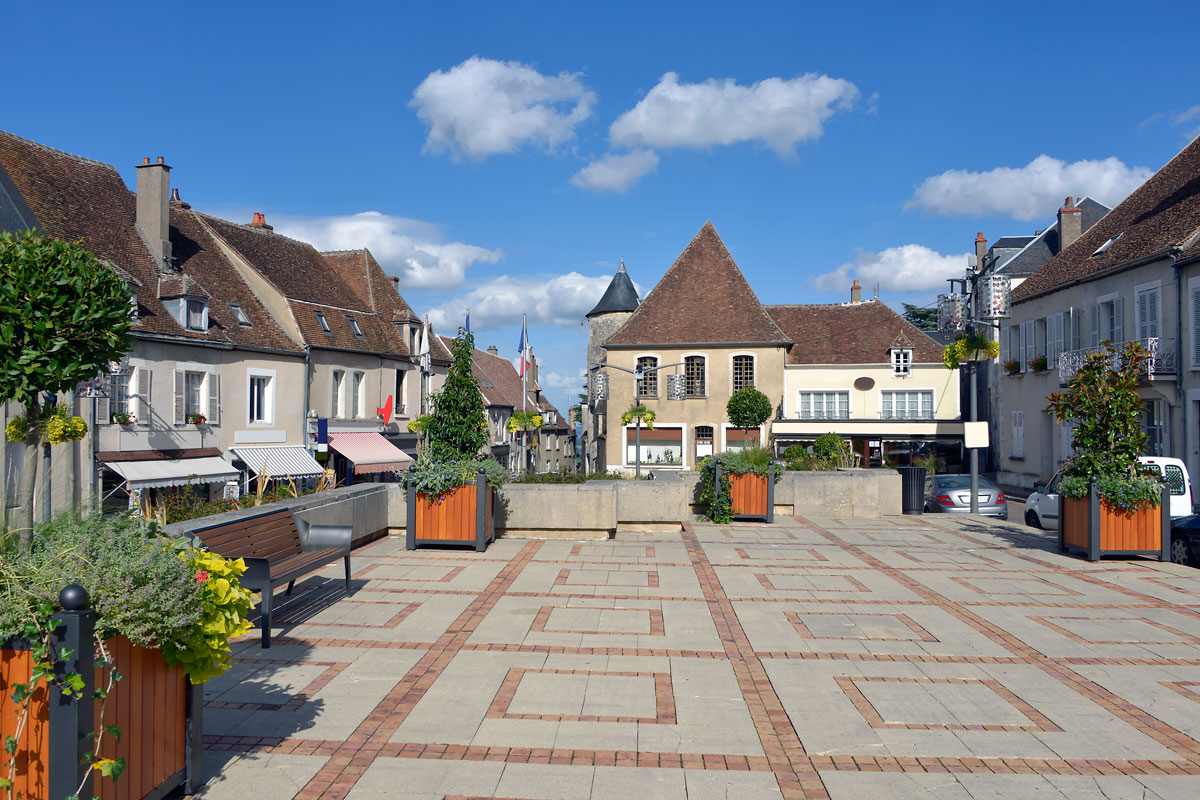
(272, 536)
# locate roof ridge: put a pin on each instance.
(259, 231)
(362, 250)
(55, 150)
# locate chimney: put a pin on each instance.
(260, 222)
(176, 202)
(153, 217)
(980, 250)
(1070, 224)
(492, 350)
(855, 292)
(395, 279)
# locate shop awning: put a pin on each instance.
(369, 452)
(281, 461)
(174, 471)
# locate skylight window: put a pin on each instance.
(354, 326)
(1107, 244)
(324, 322)
(240, 314)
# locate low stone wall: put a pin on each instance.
(365, 507)
(861, 493)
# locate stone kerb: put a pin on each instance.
(576, 511)
(366, 508)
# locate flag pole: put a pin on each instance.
(524, 396)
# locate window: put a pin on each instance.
(324, 323)
(358, 396)
(1018, 434)
(239, 314)
(693, 372)
(647, 385)
(743, 372)
(1108, 320)
(824, 405)
(1148, 311)
(1028, 344)
(660, 447)
(193, 394)
(398, 396)
(1066, 435)
(741, 438)
(901, 363)
(354, 326)
(197, 314)
(907, 405)
(1056, 332)
(119, 394)
(262, 398)
(337, 402)
(1107, 244)
(1195, 291)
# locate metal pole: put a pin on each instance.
(974, 450)
(637, 447)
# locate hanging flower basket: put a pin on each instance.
(969, 347)
(196, 419)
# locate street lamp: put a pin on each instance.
(638, 374)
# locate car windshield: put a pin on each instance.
(1052, 487)
(959, 482)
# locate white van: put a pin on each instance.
(1041, 507)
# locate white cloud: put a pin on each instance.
(1186, 115)
(1034, 191)
(616, 173)
(409, 248)
(908, 268)
(567, 381)
(774, 111)
(483, 107)
(546, 299)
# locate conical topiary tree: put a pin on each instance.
(457, 427)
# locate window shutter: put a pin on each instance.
(214, 398)
(1075, 337)
(1004, 356)
(1143, 315)
(143, 395)
(102, 409)
(1096, 325)
(1196, 327)
(1018, 430)
(179, 398)
(1152, 313)
(1119, 319)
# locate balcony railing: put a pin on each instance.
(1160, 365)
(902, 413)
(816, 415)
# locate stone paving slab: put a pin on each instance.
(898, 657)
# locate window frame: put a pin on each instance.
(689, 379)
(201, 313)
(358, 394)
(267, 398)
(642, 384)
(240, 315)
(337, 385)
(323, 321)
(733, 371)
(354, 327)
(839, 394)
(901, 361)
(890, 394)
(1154, 290)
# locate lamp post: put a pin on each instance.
(638, 374)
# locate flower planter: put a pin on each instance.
(463, 516)
(157, 710)
(753, 496)
(1093, 527)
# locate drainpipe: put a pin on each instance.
(307, 390)
(1179, 389)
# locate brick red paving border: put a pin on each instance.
(1187, 638)
(657, 624)
(816, 559)
(858, 586)
(652, 579)
(921, 635)
(664, 697)
(332, 670)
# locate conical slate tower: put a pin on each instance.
(615, 308)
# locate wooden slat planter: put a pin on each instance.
(753, 496)
(1093, 527)
(155, 707)
(464, 516)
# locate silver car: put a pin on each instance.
(952, 494)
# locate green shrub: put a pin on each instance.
(754, 460)
(435, 478)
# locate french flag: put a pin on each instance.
(523, 348)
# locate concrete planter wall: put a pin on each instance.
(1092, 527)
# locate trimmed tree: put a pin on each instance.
(457, 428)
(64, 317)
(748, 408)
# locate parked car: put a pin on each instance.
(1041, 507)
(1185, 539)
(951, 494)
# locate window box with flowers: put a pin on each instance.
(1039, 364)
(196, 419)
(121, 418)
(1012, 367)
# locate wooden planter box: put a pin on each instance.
(1093, 527)
(465, 516)
(157, 710)
(753, 496)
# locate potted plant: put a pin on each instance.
(739, 483)
(196, 419)
(1012, 367)
(1038, 364)
(158, 612)
(123, 418)
(1109, 505)
(969, 347)
(451, 488)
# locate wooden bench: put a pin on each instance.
(278, 548)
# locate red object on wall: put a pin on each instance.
(386, 411)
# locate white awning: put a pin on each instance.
(174, 471)
(369, 452)
(282, 461)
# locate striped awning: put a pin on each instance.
(369, 452)
(279, 461)
(174, 471)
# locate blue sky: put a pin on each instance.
(506, 156)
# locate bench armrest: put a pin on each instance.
(316, 537)
(257, 576)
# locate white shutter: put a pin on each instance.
(214, 398)
(1118, 334)
(102, 410)
(1018, 431)
(1095, 325)
(1075, 338)
(1004, 356)
(1029, 344)
(143, 396)
(1143, 315)
(1152, 301)
(1196, 327)
(180, 400)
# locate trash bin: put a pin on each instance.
(912, 489)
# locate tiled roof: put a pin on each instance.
(1164, 212)
(850, 333)
(621, 295)
(500, 383)
(364, 275)
(703, 298)
(1041, 248)
(79, 199)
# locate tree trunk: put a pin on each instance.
(29, 475)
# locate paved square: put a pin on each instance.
(844, 658)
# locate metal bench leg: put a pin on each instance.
(347, 560)
(291, 584)
(265, 607)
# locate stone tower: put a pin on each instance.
(617, 305)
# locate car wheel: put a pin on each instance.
(1031, 519)
(1180, 552)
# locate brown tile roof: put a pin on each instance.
(850, 333)
(1164, 212)
(364, 275)
(703, 297)
(79, 199)
(500, 383)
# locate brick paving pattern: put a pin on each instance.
(830, 658)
